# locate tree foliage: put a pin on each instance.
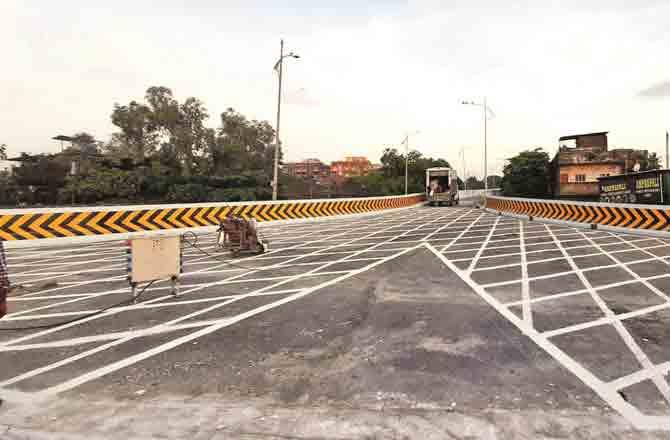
(527, 174)
(393, 168)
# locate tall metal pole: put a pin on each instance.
(486, 183)
(406, 159)
(275, 183)
(667, 150)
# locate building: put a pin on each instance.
(7, 166)
(309, 168)
(352, 166)
(583, 158)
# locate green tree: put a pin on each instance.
(527, 174)
(494, 181)
(138, 137)
(474, 183)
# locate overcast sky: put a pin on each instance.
(370, 70)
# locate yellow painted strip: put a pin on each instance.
(144, 220)
(198, 216)
(127, 221)
(76, 224)
(159, 219)
(37, 226)
(112, 222)
(56, 225)
(212, 216)
(95, 223)
(188, 218)
(3, 220)
(17, 229)
(173, 218)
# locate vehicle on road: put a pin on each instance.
(441, 186)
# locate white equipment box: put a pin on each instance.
(154, 258)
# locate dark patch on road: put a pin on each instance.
(407, 331)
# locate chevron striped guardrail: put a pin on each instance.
(58, 223)
(650, 217)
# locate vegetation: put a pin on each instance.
(164, 151)
(527, 174)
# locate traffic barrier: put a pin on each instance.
(26, 224)
(649, 217)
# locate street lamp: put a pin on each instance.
(279, 67)
(486, 110)
(406, 142)
(465, 183)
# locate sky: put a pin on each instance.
(369, 73)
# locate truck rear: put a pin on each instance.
(441, 186)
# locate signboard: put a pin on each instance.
(645, 187)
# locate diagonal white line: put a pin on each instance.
(639, 354)
(525, 284)
(479, 253)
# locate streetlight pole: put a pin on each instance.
(667, 149)
(486, 170)
(406, 160)
(279, 66)
(486, 110)
(406, 142)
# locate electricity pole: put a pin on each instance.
(279, 67)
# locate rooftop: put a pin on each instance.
(575, 136)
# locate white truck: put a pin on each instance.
(441, 186)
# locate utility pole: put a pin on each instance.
(406, 159)
(406, 142)
(275, 182)
(486, 183)
(279, 67)
(465, 183)
(486, 110)
(667, 150)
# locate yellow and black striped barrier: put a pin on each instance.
(55, 223)
(650, 217)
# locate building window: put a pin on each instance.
(580, 178)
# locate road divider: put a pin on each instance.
(607, 215)
(47, 223)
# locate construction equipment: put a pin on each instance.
(153, 258)
(239, 235)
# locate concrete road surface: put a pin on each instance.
(415, 323)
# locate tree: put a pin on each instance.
(393, 163)
(139, 134)
(494, 181)
(474, 183)
(527, 174)
(244, 145)
(3, 151)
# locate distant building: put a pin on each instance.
(309, 168)
(7, 166)
(583, 158)
(352, 166)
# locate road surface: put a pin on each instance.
(422, 322)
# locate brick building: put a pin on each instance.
(309, 168)
(581, 159)
(352, 166)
